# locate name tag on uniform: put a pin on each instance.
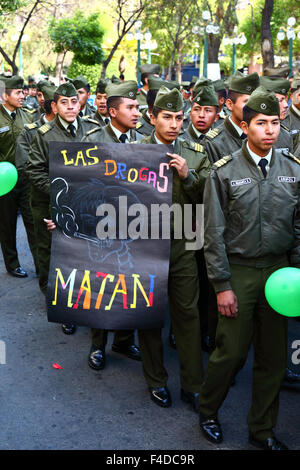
(4, 129)
(286, 179)
(241, 182)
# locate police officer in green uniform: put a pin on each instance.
(190, 169)
(12, 120)
(27, 134)
(251, 213)
(123, 109)
(220, 89)
(101, 114)
(280, 87)
(146, 71)
(66, 127)
(229, 137)
(84, 91)
(203, 114)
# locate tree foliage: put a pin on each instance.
(80, 35)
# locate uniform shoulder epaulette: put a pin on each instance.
(288, 154)
(139, 124)
(32, 125)
(45, 128)
(89, 119)
(221, 162)
(284, 127)
(193, 145)
(213, 133)
(30, 111)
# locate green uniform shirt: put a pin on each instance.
(249, 217)
(106, 135)
(142, 98)
(9, 131)
(144, 125)
(292, 120)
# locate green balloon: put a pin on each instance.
(282, 291)
(8, 177)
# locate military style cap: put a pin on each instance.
(219, 85)
(244, 84)
(66, 89)
(277, 72)
(200, 83)
(169, 100)
(13, 83)
(115, 79)
(278, 85)
(194, 79)
(154, 83)
(264, 102)
(185, 85)
(48, 92)
(80, 82)
(207, 97)
(127, 89)
(101, 85)
(151, 69)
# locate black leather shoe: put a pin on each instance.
(129, 350)
(190, 397)
(291, 377)
(68, 328)
(96, 359)
(161, 396)
(211, 429)
(18, 272)
(172, 341)
(270, 443)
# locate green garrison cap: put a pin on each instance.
(41, 84)
(244, 84)
(48, 92)
(13, 83)
(151, 69)
(185, 85)
(115, 79)
(219, 85)
(170, 100)
(101, 85)
(66, 89)
(154, 83)
(200, 83)
(264, 102)
(207, 97)
(80, 82)
(278, 85)
(127, 89)
(277, 72)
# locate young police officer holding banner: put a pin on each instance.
(190, 168)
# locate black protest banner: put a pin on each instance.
(109, 262)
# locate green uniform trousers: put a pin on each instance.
(40, 211)
(10, 203)
(256, 323)
(183, 291)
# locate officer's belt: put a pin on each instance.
(259, 262)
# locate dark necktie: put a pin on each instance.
(123, 138)
(263, 163)
(201, 136)
(106, 120)
(80, 113)
(13, 115)
(243, 136)
(72, 130)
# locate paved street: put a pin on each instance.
(77, 408)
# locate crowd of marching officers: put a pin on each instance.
(235, 146)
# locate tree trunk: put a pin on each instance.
(267, 49)
(213, 48)
(58, 66)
